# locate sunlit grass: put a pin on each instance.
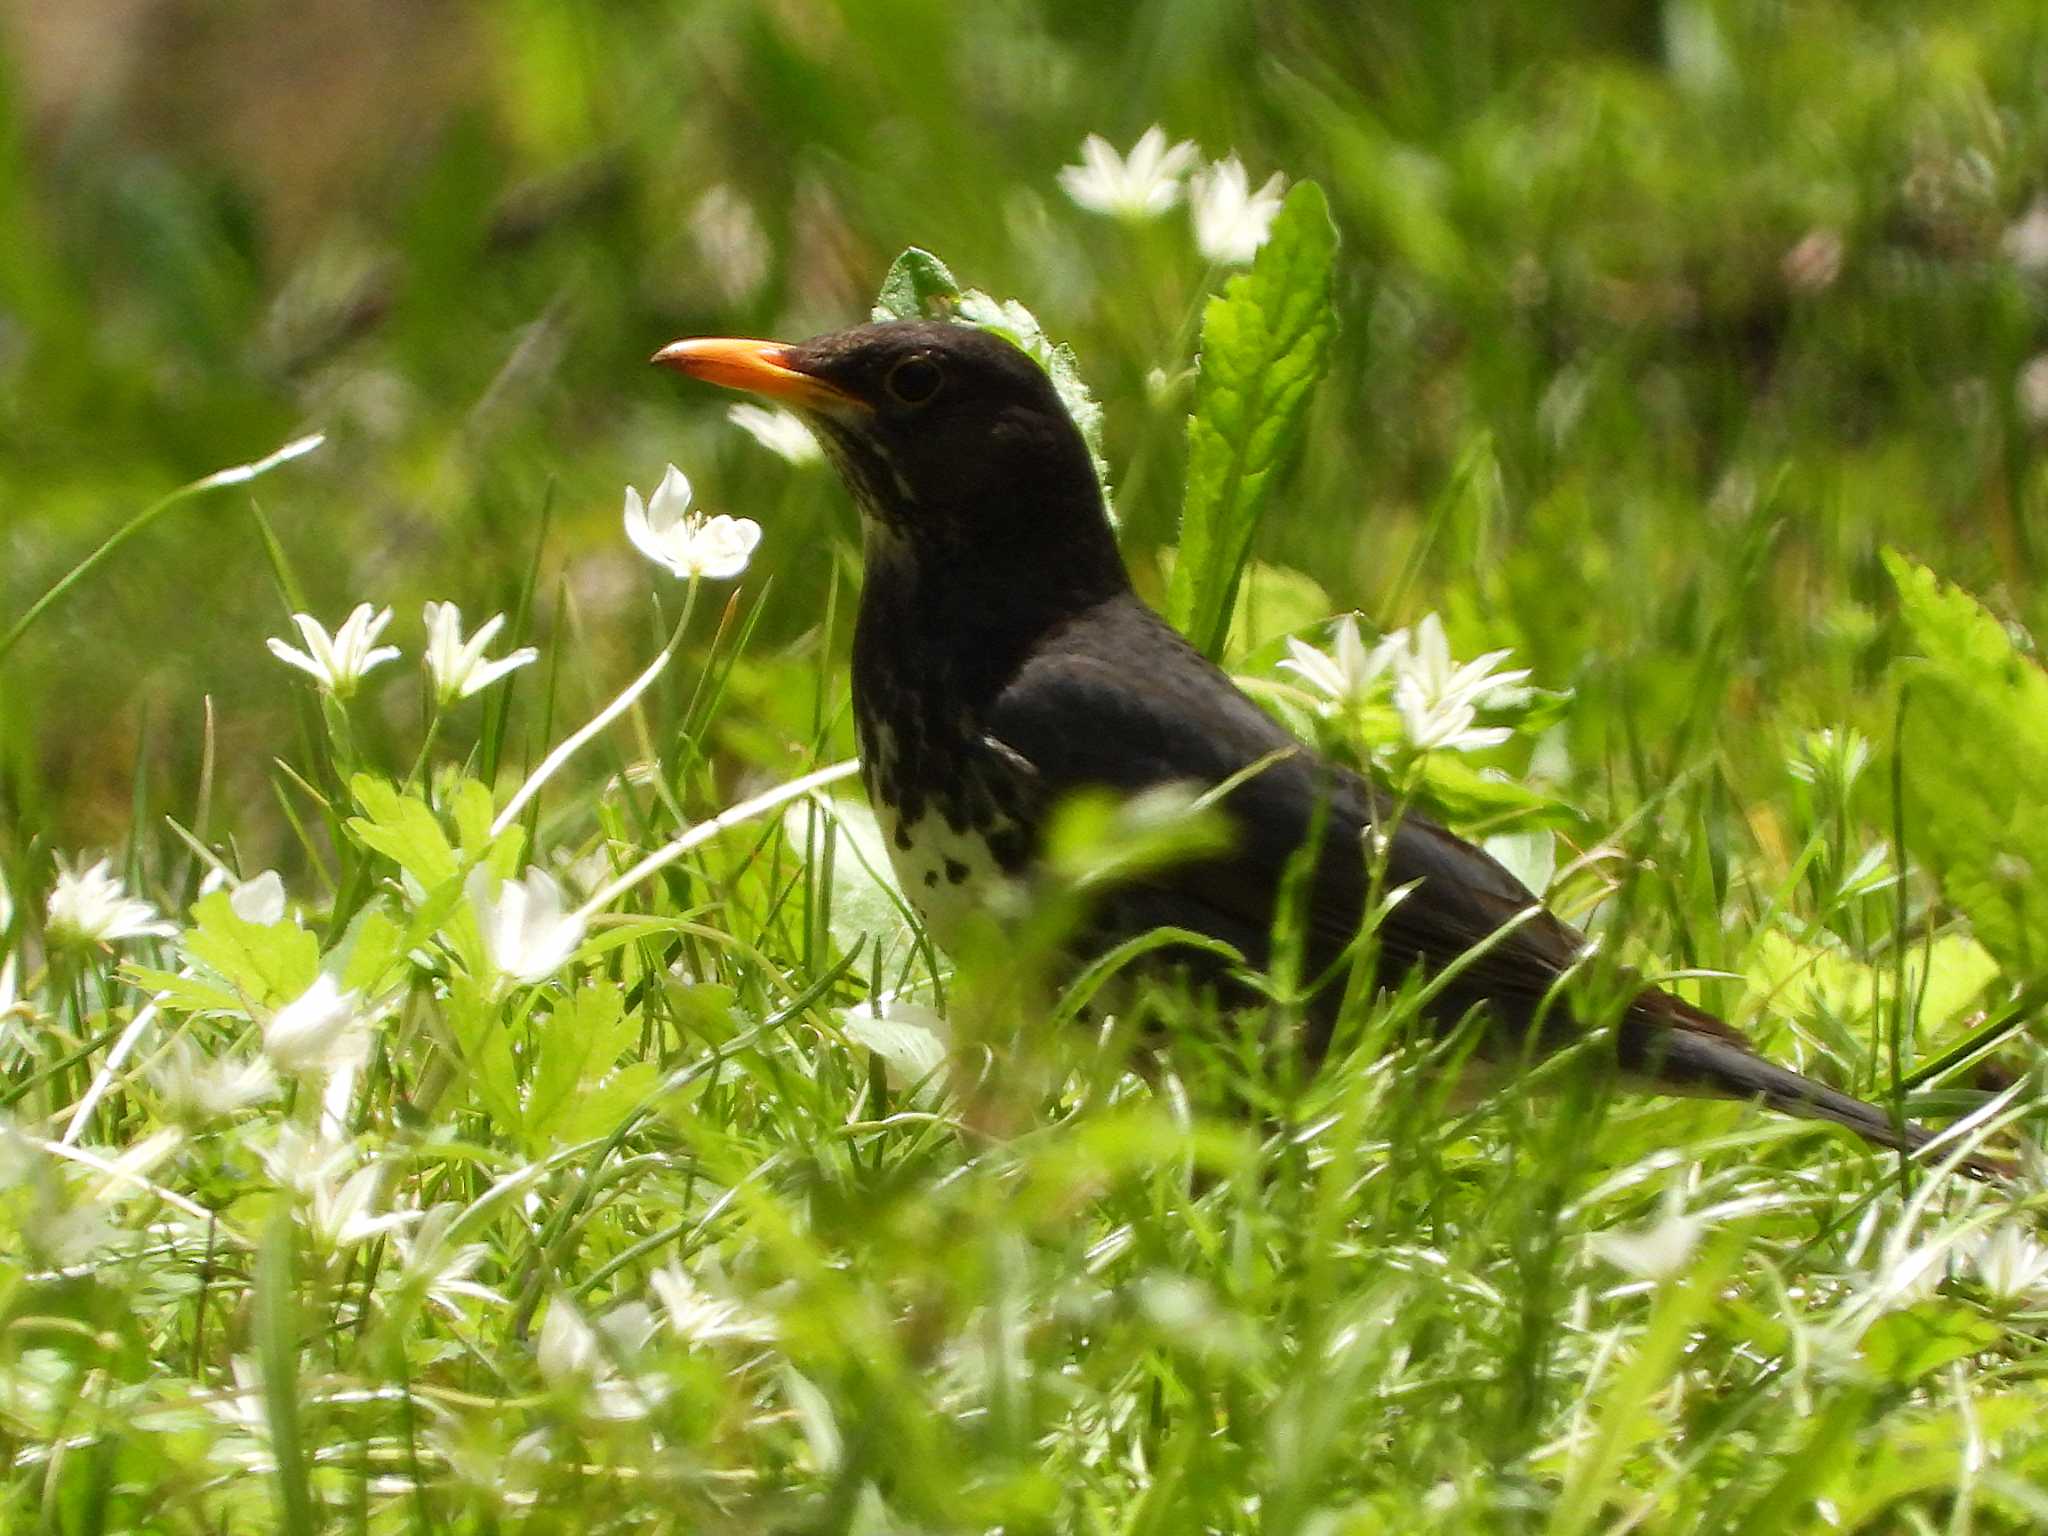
(629, 1195)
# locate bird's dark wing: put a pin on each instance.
(1119, 700)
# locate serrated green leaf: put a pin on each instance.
(919, 286)
(575, 1046)
(403, 828)
(183, 994)
(372, 948)
(1265, 343)
(266, 963)
(599, 1109)
(1904, 1346)
(1973, 745)
(473, 812)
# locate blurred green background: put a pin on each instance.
(1660, 320)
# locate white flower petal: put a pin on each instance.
(1143, 185)
(91, 906)
(319, 1030)
(527, 936)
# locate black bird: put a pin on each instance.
(1002, 660)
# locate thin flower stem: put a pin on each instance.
(169, 1197)
(662, 788)
(552, 763)
(419, 763)
(241, 474)
(704, 831)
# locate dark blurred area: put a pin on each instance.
(1686, 274)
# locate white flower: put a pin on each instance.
(345, 1214)
(909, 1037)
(2011, 1265)
(196, 1086)
(437, 1270)
(342, 1200)
(1438, 700)
(1141, 187)
(701, 1318)
(322, 1028)
(258, 900)
(1231, 220)
(1658, 1251)
(2026, 240)
(10, 987)
(526, 934)
(457, 666)
(303, 1163)
(666, 531)
(1347, 672)
(575, 1357)
(2031, 390)
(782, 433)
(92, 907)
(339, 661)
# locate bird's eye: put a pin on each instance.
(915, 380)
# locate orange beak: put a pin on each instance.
(758, 367)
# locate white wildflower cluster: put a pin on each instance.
(1231, 219)
(686, 543)
(345, 1195)
(1437, 699)
(590, 1363)
(457, 667)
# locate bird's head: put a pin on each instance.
(952, 441)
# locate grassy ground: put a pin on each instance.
(1660, 326)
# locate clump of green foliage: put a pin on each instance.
(410, 1128)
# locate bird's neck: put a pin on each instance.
(949, 625)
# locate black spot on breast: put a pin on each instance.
(903, 837)
(1008, 848)
(931, 879)
(955, 871)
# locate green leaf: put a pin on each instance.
(575, 1046)
(1265, 342)
(372, 949)
(863, 901)
(1973, 759)
(402, 827)
(919, 287)
(1903, 1346)
(267, 963)
(473, 811)
(183, 994)
(598, 1109)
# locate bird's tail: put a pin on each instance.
(1693, 1052)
